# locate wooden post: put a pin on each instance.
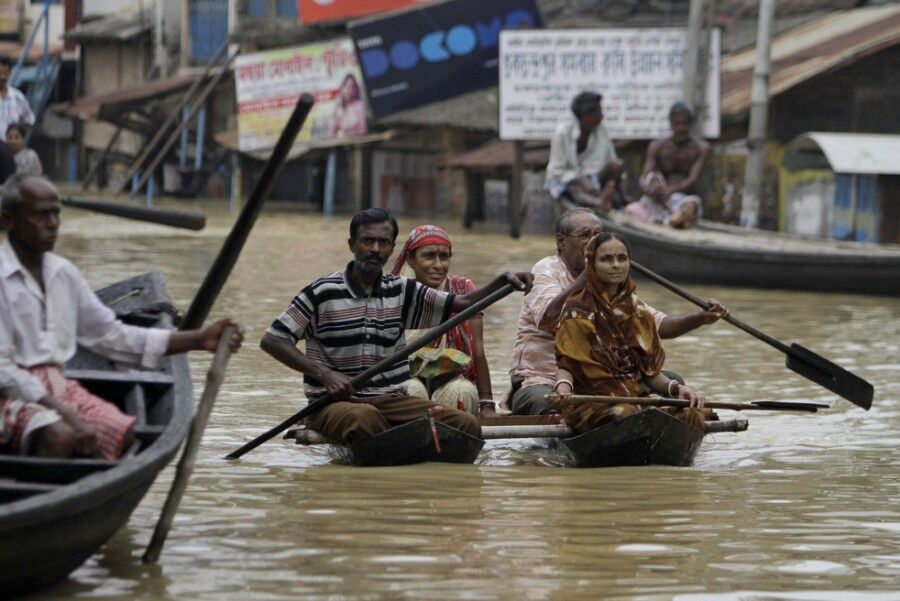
(185, 51)
(692, 55)
(759, 113)
(516, 190)
(357, 178)
(186, 464)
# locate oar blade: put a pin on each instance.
(791, 406)
(838, 380)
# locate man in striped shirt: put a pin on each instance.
(354, 318)
(14, 107)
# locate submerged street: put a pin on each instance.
(798, 507)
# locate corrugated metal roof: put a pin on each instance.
(230, 140)
(120, 27)
(476, 111)
(869, 154)
(498, 154)
(88, 108)
(810, 50)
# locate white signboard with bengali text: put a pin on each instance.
(267, 85)
(639, 72)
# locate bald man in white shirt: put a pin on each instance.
(46, 310)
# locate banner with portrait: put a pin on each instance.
(269, 83)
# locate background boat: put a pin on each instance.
(55, 513)
(723, 255)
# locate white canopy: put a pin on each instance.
(870, 154)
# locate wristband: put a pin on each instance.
(673, 389)
(486, 403)
(558, 382)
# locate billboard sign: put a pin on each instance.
(268, 84)
(440, 51)
(315, 11)
(639, 72)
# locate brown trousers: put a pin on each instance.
(353, 421)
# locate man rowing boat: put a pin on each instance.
(46, 307)
(353, 318)
(533, 368)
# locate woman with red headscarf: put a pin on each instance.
(453, 370)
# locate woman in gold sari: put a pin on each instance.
(607, 344)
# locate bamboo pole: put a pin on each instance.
(305, 436)
(186, 465)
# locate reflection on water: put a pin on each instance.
(799, 507)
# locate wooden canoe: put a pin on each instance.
(649, 437)
(731, 256)
(55, 514)
(406, 444)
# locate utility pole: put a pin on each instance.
(692, 66)
(759, 113)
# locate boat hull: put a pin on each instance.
(650, 437)
(55, 513)
(759, 261)
(411, 443)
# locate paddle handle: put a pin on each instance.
(660, 402)
(234, 243)
(184, 219)
(363, 377)
(185, 468)
(705, 306)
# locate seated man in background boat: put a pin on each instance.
(46, 307)
(607, 344)
(670, 175)
(453, 370)
(583, 166)
(354, 318)
(533, 367)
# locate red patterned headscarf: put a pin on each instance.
(419, 237)
(460, 337)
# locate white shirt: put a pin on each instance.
(566, 163)
(40, 327)
(14, 108)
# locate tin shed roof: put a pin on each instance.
(868, 154)
(809, 50)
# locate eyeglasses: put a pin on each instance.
(584, 235)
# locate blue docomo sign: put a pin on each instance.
(437, 52)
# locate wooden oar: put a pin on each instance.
(661, 402)
(188, 220)
(234, 243)
(798, 358)
(360, 379)
(186, 465)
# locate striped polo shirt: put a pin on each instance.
(349, 332)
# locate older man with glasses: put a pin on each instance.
(533, 368)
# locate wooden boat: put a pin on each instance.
(649, 437)
(54, 514)
(406, 444)
(731, 256)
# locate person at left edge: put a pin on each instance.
(46, 307)
(354, 318)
